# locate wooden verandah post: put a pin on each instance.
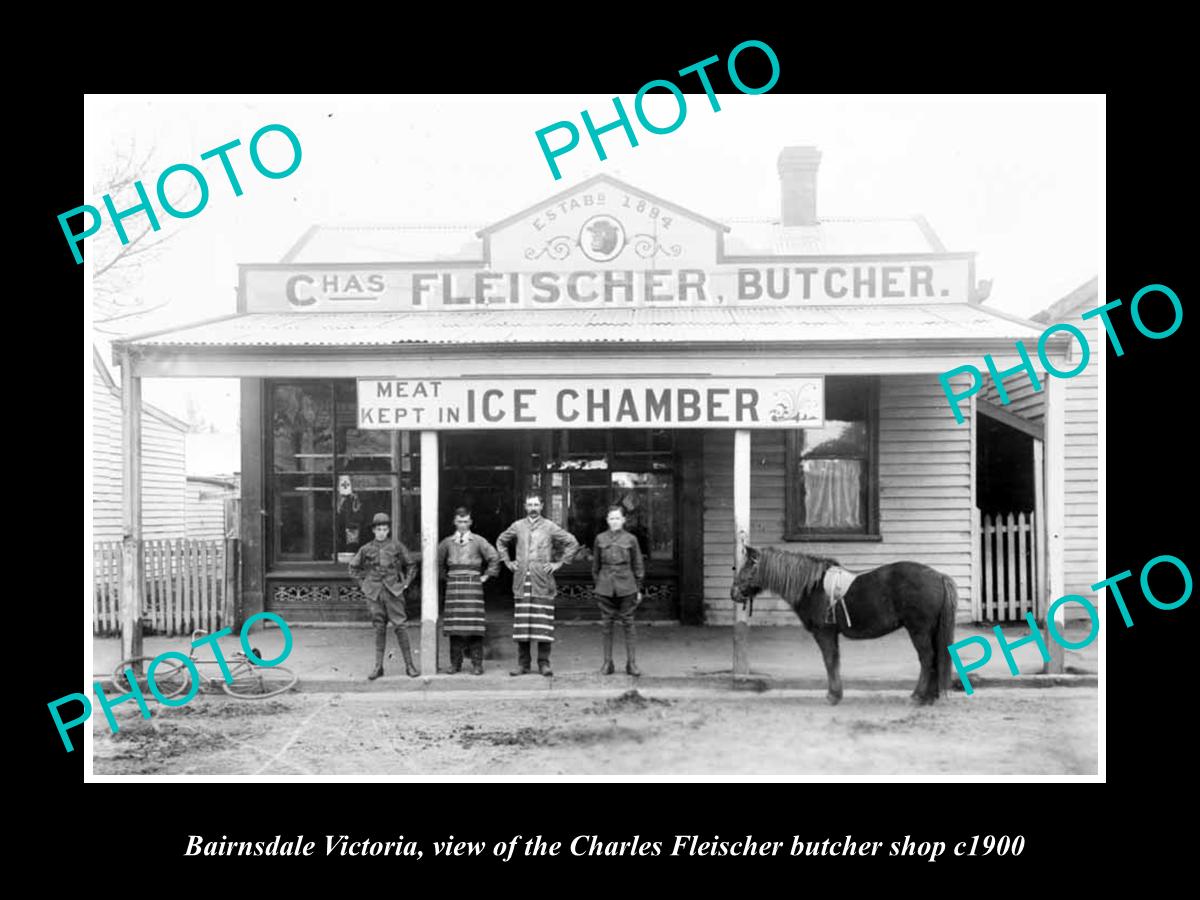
(741, 532)
(131, 510)
(1055, 493)
(429, 543)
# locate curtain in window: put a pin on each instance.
(832, 492)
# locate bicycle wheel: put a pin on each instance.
(252, 682)
(171, 677)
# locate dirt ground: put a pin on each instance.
(782, 734)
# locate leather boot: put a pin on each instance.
(402, 638)
(544, 659)
(522, 659)
(606, 668)
(456, 654)
(477, 655)
(631, 666)
(380, 646)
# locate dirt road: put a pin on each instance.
(780, 734)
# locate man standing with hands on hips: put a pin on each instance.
(534, 588)
(383, 569)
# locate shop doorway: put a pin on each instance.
(1008, 497)
(482, 471)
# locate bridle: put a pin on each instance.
(748, 601)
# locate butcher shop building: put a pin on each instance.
(770, 381)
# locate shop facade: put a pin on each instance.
(772, 383)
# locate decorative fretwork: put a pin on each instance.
(661, 592)
(349, 594)
(575, 593)
(302, 593)
(581, 592)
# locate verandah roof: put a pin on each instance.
(638, 325)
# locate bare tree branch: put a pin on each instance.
(137, 312)
(118, 267)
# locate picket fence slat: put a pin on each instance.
(1010, 572)
(183, 586)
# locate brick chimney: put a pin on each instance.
(798, 184)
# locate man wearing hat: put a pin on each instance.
(383, 569)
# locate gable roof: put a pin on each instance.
(596, 179)
(1082, 297)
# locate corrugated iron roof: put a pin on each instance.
(389, 243)
(748, 237)
(767, 237)
(639, 325)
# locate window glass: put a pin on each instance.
(331, 477)
(303, 521)
(302, 427)
(829, 469)
(591, 470)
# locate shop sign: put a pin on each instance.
(654, 282)
(626, 402)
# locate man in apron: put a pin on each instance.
(459, 560)
(537, 541)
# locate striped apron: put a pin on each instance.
(533, 615)
(464, 601)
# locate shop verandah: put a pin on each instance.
(917, 485)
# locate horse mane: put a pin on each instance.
(792, 576)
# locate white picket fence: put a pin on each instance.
(1010, 570)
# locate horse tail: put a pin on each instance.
(944, 634)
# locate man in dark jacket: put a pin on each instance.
(384, 568)
(619, 572)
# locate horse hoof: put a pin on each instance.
(833, 699)
(919, 700)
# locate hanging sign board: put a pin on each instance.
(626, 402)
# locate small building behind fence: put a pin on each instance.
(189, 556)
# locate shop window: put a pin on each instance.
(832, 481)
(329, 478)
(589, 470)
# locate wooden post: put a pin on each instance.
(741, 532)
(976, 534)
(429, 542)
(131, 510)
(1055, 451)
(229, 588)
(1040, 603)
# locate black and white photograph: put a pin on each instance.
(558, 437)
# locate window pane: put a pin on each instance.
(630, 440)
(365, 451)
(833, 493)
(846, 397)
(360, 497)
(588, 504)
(649, 501)
(304, 516)
(584, 478)
(837, 438)
(302, 427)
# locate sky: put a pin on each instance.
(1018, 180)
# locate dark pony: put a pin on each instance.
(879, 601)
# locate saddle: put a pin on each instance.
(837, 581)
